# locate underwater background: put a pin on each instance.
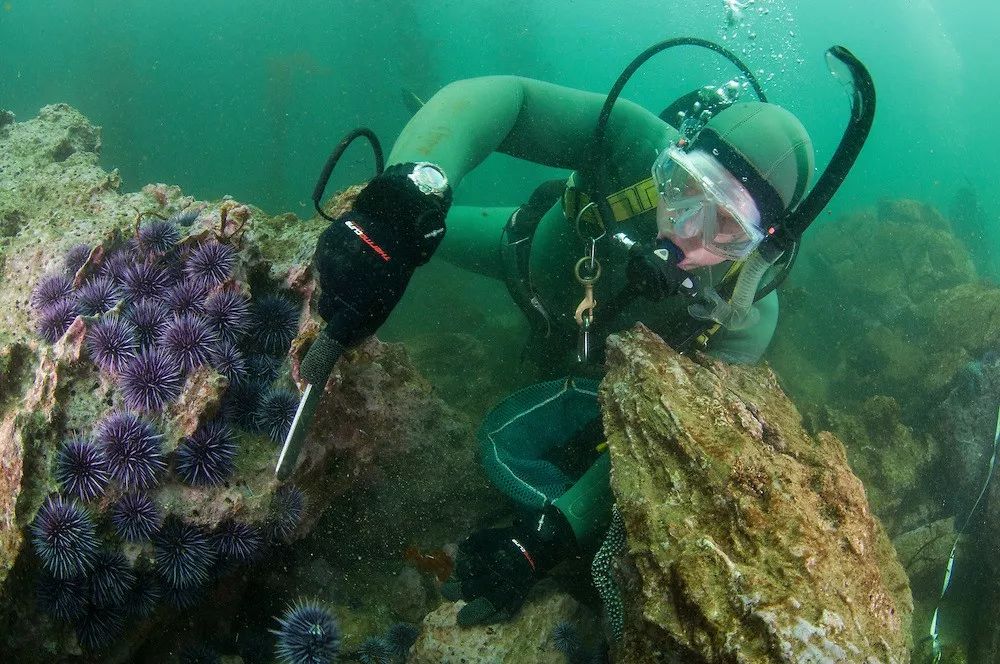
(247, 99)
(186, 90)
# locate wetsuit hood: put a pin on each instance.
(767, 148)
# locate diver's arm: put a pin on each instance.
(542, 122)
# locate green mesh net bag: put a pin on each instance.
(521, 431)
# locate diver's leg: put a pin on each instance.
(587, 504)
(472, 241)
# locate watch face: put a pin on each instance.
(429, 179)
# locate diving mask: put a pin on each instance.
(700, 198)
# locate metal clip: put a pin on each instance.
(584, 236)
(587, 276)
(583, 339)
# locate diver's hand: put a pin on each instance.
(496, 568)
(653, 273)
(366, 257)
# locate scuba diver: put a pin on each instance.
(685, 221)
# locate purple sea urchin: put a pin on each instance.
(566, 639)
(287, 507)
(64, 537)
(97, 296)
(75, 258)
(114, 266)
(50, 289)
(240, 404)
(149, 318)
(158, 236)
(63, 598)
(110, 579)
(263, 369)
(374, 650)
(97, 628)
(185, 217)
(211, 263)
(238, 541)
(133, 449)
(228, 313)
(81, 469)
(307, 634)
(401, 637)
(274, 322)
(189, 341)
(206, 457)
(145, 280)
(276, 412)
(149, 381)
(135, 517)
(55, 319)
(186, 297)
(141, 598)
(228, 360)
(112, 342)
(183, 554)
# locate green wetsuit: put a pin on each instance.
(552, 125)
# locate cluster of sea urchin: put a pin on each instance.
(158, 308)
(165, 307)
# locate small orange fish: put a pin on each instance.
(436, 562)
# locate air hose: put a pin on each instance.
(738, 313)
(785, 234)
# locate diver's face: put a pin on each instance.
(687, 233)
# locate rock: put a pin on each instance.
(923, 552)
(408, 596)
(525, 638)
(896, 314)
(966, 423)
(748, 539)
(891, 459)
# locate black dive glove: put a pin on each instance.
(496, 568)
(366, 257)
(653, 272)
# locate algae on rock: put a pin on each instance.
(527, 637)
(748, 539)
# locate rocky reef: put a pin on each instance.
(748, 538)
(64, 219)
(888, 338)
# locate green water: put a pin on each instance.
(247, 99)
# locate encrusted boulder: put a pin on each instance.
(890, 458)
(749, 540)
(528, 637)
